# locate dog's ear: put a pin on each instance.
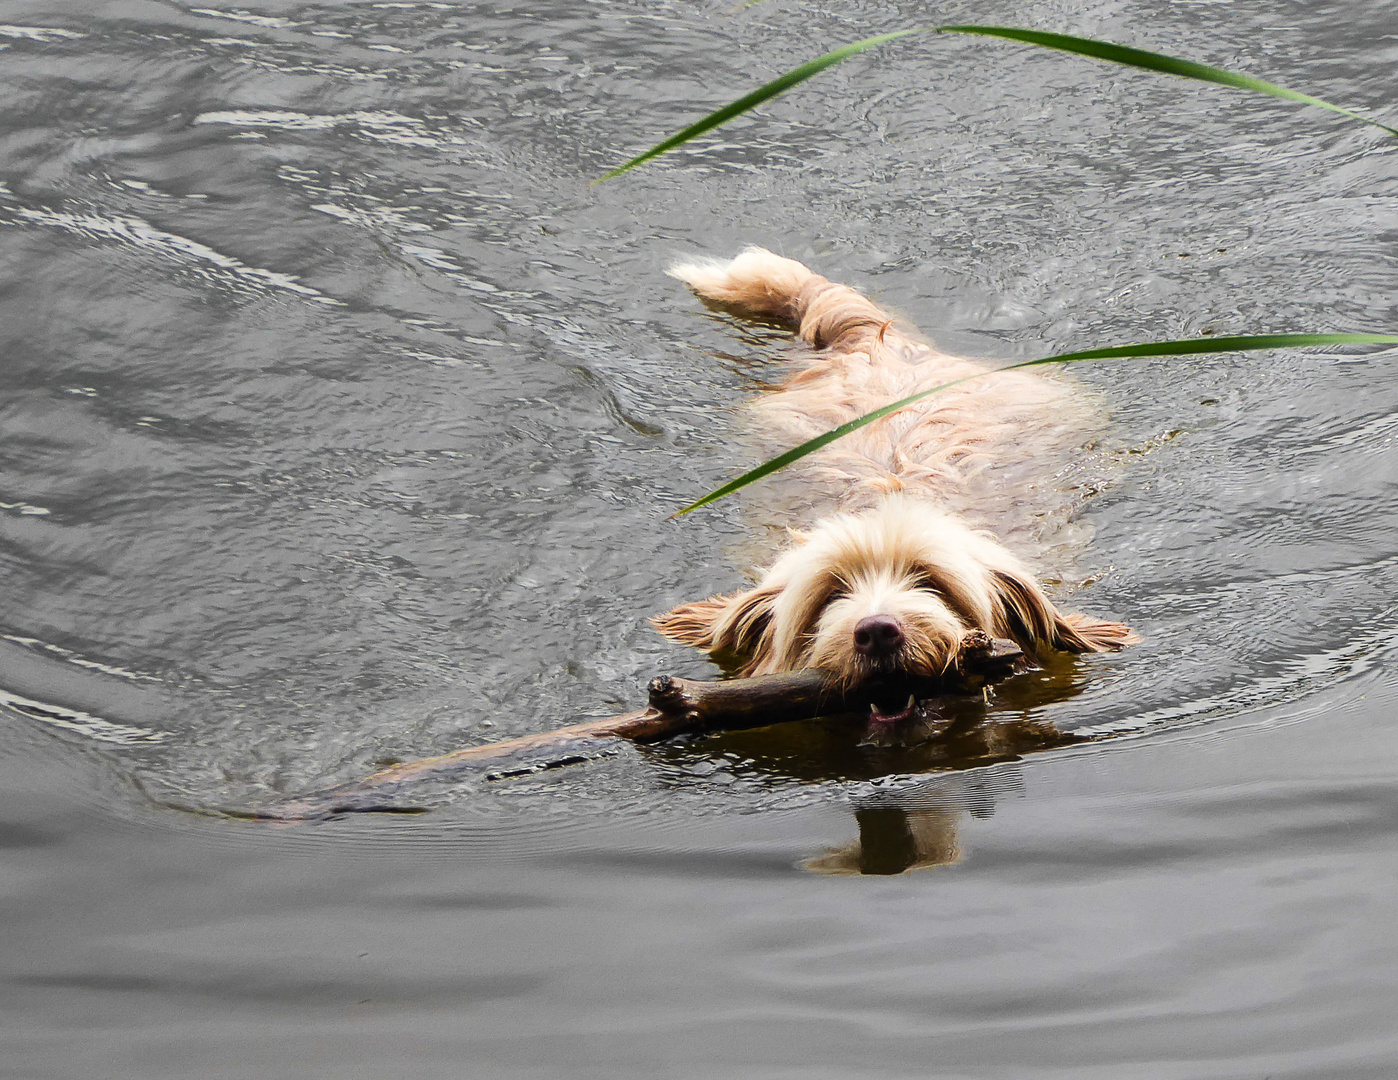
(732, 624)
(692, 624)
(1025, 614)
(1095, 635)
(1022, 611)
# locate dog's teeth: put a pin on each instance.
(874, 710)
(910, 703)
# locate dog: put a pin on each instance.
(895, 578)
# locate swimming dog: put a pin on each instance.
(895, 578)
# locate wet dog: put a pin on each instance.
(895, 577)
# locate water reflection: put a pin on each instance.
(914, 827)
(894, 840)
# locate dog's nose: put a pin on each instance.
(878, 635)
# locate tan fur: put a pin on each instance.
(900, 547)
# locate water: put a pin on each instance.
(339, 418)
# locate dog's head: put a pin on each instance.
(894, 589)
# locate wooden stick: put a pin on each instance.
(676, 707)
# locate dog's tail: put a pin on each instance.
(758, 282)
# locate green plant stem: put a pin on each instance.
(1186, 347)
(777, 86)
(1090, 47)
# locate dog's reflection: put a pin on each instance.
(893, 840)
(915, 827)
(919, 827)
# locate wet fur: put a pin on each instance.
(899, 546)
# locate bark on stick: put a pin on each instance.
(676, 707)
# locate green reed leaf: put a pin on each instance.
(1186, 347)
(1101, 50)
(1151, 61)
(777, 86)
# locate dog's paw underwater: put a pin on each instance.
(893, 580)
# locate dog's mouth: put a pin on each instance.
(914, 723)
(880, 717)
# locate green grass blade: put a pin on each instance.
(1122, 54)
(1186, 347)
(1101, 50)
(777, 86)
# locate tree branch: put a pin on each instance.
(676, 707)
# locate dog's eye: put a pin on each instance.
(926, 581)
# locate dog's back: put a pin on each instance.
(988, 449)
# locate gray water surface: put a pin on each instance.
(339, 421)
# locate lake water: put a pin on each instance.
(339, 421)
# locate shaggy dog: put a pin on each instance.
(898, 579)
